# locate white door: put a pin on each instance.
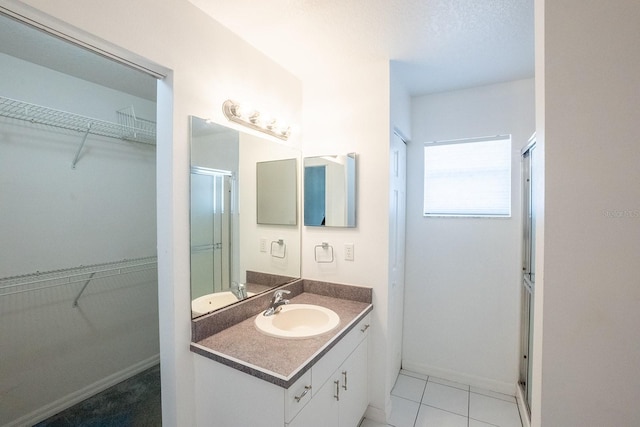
(397, 209)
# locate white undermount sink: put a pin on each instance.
(207, 303)
(297, 321)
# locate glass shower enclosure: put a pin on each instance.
(211, 193)
(528, 269)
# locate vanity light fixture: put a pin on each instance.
(252, 119)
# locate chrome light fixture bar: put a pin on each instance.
(252, 119)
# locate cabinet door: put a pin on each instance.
(297, 396)
(322, 410)
(353, 387)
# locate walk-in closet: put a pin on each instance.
(78, 266)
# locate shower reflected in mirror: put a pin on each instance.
(233, 255)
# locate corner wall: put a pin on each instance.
(462, 309)
(590, 106)
(349, 112)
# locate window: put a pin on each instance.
(470, 177)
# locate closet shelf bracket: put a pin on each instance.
(75, 301)
(75, 159)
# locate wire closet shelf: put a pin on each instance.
(82, 274)
(128, 128)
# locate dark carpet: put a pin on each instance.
(132, 403)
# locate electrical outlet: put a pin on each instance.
(348, 251)
(263, 245)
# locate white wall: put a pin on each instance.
(349, 112)
(56, 217)
(208, 64)
(253, 150)
(462, 300)
(589, 114)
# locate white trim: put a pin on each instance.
(522, 407)
(78, 396)
(467, 140)
(64, 31)
(472, 380)
(379, 415)
(530, 143)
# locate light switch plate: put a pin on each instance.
(263, 245)
(348, 252)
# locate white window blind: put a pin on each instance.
(468, 178)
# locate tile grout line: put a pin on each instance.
(445, 410)
(468, 390)
(415, 420)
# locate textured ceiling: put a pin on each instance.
(436, 45)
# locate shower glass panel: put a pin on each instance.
(210, 231)
(528, 270)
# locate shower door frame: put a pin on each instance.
(222, 218)
(528, 272)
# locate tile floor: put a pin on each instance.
(421, 401)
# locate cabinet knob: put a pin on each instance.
(365, 327)
(304, 393)
(337, 395)
(344, 377)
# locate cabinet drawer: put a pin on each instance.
(322, 370)
(297, 396)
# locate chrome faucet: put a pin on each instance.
(239, 290)
(276, 302)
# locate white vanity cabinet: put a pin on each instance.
(339, 380)
(354, 394)
(226, 397)
(342, 399)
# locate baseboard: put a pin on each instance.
(71, 399)
(379, 415)
(522, 407)
(472, 380)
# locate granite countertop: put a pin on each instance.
(277, 360)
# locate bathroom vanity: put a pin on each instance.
(248, 378)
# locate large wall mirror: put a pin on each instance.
(233, 255)
(330, 191)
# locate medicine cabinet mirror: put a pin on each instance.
(232, 254)
(330, 191)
